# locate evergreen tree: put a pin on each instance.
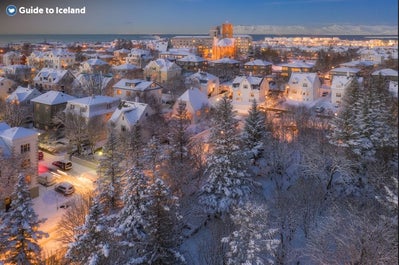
(161, 228)
(134, 146)
(227, 181)
(152, 155)
(19, 232)
(93, 243)
(130, 222)
(254, 131)
(253, 241)
(110, 170)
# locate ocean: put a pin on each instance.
(70, 38)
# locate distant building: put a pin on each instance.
(6, 87)
(13, 57)
(258, 68)
(296, 67)
(54, 79)
(94, 66)
(127, 70)
(138, 90)
(225, 68)
(192, 63)
(139, 57)
(161, 71)
(18, 72)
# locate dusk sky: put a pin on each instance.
(193, 16)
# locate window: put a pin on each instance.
(72, 107)
(25, 148)
(245, 86)
(338, 95)
(119, 92)
(109, 105)
(304, 85)
(123, 128)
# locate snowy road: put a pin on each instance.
(48, 204)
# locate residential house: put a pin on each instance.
(192, 63)
(92, 84)
(127, 70)
(121, 54)
(54, 79)
(175, 54)
(258, 67)
(13, 57)
(225, 68)
(139, 57)
(339, 85)
(371, 55)
(344, 71)
(196, 104)
(21, 143)
(304, 87)
(245, 89)
(206, 82)
(59, 59)
(296, 67)
(6, 87)
(18, 72)
(127, 115)
(94, 66)
(46, 106)
(387, 74)
(22, 97)
(138, 90)
(96, 110)
(161, 71)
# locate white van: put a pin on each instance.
(46, 179)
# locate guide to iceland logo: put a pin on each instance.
(11, 10)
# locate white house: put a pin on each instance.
(138, 90)
(139, 57)
(128, 115)
(304, 87)
(12, 57)
(339, 85)
(245, 89)
(93, 106)
(161, 70)
(23, 143)
(94, 65)
(23, 96)
(54, 79)
(59, 59)
(371, 55)
(196, 104)
(206, 82)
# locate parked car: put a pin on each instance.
(319, 109)
(65, 188)
(63, 164)
(40, 155)
(47, 179)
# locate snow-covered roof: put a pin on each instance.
(192, 58)
(136, 84)
(139, 52)
(195, 98)
(125, 67)
(53, 98)
(357, 64)
(299, 64)
(123, 50)
(92, 79)
(22, 94)
(253, 80)
(4, 126)
(163, 64)
(17, 133)
(50, 75)
(258, 62)
(200, 75)
(226, 42)
(298, 77)
(345, 70)
(130, 111)
(386, 72)
(393, 87)
(95, 61)
(226, 60)
(61, 53)
(93, 100)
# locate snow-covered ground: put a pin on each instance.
(49, 204)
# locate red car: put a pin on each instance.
(40, 155)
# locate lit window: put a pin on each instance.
(118, 92)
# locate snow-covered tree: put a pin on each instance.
(110, 170)
(254, 131)
(129, 222)
(227, 181)
(93, 244)
(161, 227)
(152, 155)
(19, 232)
(132, 140)
(253, 242)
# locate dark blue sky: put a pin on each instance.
(194, 16)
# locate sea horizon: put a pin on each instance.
(72, 38)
